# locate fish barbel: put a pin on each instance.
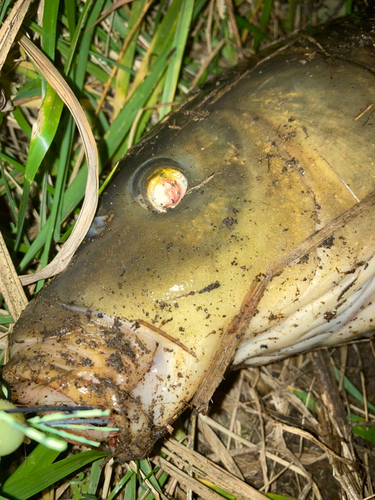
(244, 172)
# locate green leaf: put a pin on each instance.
(244, 24)
(39, 456)
(6, 320)
(7, 192)
(84, 47)
(221, 492)
(123, 75)
(12, 162)
(49, 29)
(22, 122)
(364, 431)
(43, 134)
(120, 484)
(124, 120)
(34, 476)
(352, 390)
(149, 473)
(77, 33)
(63, 48)
(94, 477)
(71, 9)
(174, 66)
(266, 12)
(131, 488)
(53, 229)
(3, 9)
(306, 398)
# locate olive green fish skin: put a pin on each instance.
(272, 152)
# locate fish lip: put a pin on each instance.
(97, 360)
(99, 368)
(137, 326)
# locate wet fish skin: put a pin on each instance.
(271, 154)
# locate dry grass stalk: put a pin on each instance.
(90, 203)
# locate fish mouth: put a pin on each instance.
(96, 360)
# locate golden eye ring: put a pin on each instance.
(159, 184)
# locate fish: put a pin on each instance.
(240, 231)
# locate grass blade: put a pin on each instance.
(43, 133)
(174, 67)
(28, 480)
(123, 76)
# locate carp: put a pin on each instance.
(274, 156)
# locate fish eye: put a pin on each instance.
(159, 184)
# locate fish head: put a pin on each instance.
(224, 188)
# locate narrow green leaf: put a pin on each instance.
(53, 229)
(364, 432)
(82, 62)
(64, 157)
(306, 398)
(213, 487)
(3, 9)
(44, 200)
(70, 9)
(22, 122)
(352, 390)
(94, 477)
(131, 488)
(199, 4)
(162, 40)
(123, 75)
(266, 12)
(9, 242)
(102, 118)
(120, 484)
(121, 125)
(49, 28)
(149, 473)
(7, 192)
(30, 90)
(291, 14)
(145, 118)
(159, 14)
(228, 51)
(63, 48)
(174, 66)
(108, 178)
(244, 24)
(12, 162)
(40, 456)
(6, 320)
(111, 62)
(43, 134)
(73, 46)
(26, 483)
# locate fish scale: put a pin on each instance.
(269, 154)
